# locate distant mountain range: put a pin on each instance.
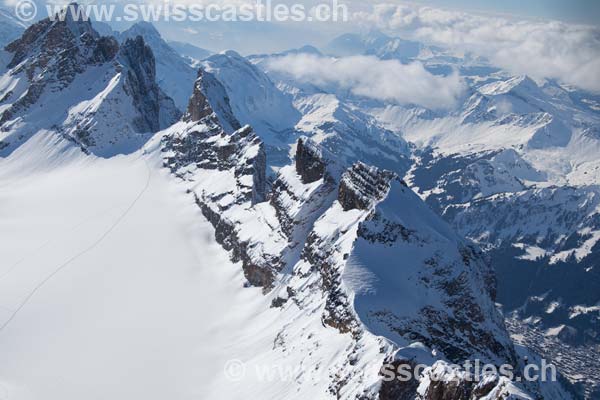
(375, 232)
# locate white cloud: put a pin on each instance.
(542, 49)
(368, 76)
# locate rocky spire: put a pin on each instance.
(141, 82)
(210, 101)
(309, 163)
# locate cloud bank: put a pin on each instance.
(542, 49)
(368, 76)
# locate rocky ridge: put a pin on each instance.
(298, 237)
(48, 85)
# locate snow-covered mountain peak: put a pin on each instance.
(255, 99)
(48, 86)
(378, 44)
(312, 196)
(142, 28)
(210, 101)
(300, 237)
(410, 251)
(174, 73)
(519, 84)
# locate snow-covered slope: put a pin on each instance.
(513, 166)
(125, 242)
(280, 118)
(161, 262)
(63, 78)
(254, 98)
(98, 254)
(10, 27)
(122, 246)
(378, 44)
(308, 242)
(349, 133)
(515, 170)
(194, 53)
(174, 74)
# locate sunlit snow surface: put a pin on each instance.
(121, 291)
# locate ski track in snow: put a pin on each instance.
(76, 256)
(52, 240)
(150, 307)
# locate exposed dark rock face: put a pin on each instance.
(321, 253)
(295, 209)
(460, 323)
(441, 382)
(106, 49)
(444, 386)
(198, 107)
(214, 150)
(309, 163)
(396, 389)
(458, 274)
(205, 145)
(52, 53)
(141, 83)
(209, 96)
(362, 186)
(386, 232)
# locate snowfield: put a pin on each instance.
(112, 286)
(282, 238)
(117, 283)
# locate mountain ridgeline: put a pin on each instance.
(369, 249)
(63, 76)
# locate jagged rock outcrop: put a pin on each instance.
(446, 382)
(402, 234)
(209, 96)
(355, 263)
(214, 150)
(52, 53)
(174, 73)
(239, 161)
(309, 163)
(362, 186)
(140, 83)
(232, 168)
(404, 252)
(65, 78)
(418, 282)
(299, 203)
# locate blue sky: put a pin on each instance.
(580, 11)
